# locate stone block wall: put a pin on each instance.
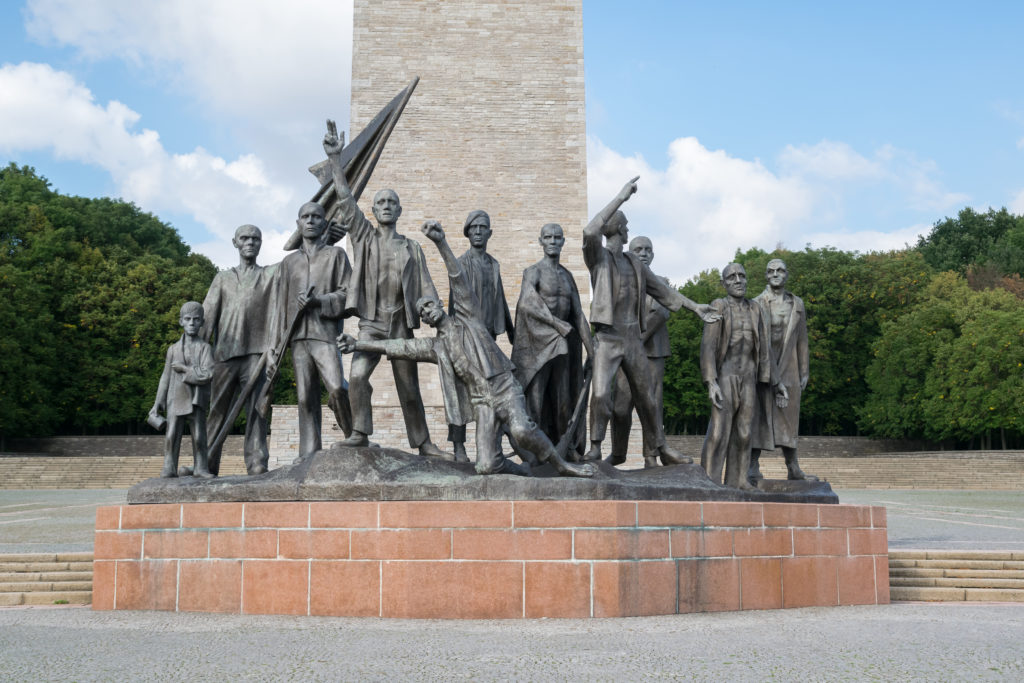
(488, 559)
(497, 122)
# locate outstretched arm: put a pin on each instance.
(420, 349)
(605, 214)
(350, 219)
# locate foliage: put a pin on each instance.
(89, 297)
(847, 296)
(993, 240)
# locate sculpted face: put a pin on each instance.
(734, 279)
(431, 311)
(776, 273)
(552, 239)
(311, 220)
(479, 231)
(192, 321)
(248, 241)
(618, 225)
(386, 207)
(644, 250)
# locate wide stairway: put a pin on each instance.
(918, 575)
(956, 575)
(46, 579)
(90, 472)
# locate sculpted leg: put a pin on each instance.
(793, 466)
(226, 384)
(307, 388)
(200, 453)
(607, 358)
(754, 471)
(360, 394)
(172, 445)
(256, 453)
(622, 419)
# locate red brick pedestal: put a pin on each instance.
(488, 559)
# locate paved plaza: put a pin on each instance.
(40, 521)
(903, 641)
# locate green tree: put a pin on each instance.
(89, 297)
(973, 238)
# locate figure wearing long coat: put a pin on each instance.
(774, 426)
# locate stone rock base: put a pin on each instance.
(488, 559)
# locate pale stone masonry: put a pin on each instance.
(497, 123)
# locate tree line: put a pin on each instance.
(924, 342)
(921, 343)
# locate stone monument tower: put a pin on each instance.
(497, 123)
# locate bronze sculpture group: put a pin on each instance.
(753, 352)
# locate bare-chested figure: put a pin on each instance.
(620, 281)
(734, 359)
(550, 330)
(389, 274)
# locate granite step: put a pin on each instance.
(46, 579)
(956, 575)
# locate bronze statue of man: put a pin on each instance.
(778, 425)
(619, 282)
(484, 275)
(317, 321)
(551, 331)
(734, 358)
(476, 377)
(389, 274)
(656, 345)
(236, 310)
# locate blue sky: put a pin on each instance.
(856, 125)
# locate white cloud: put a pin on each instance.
(267, 72)
(702, 207)
(48, 109)
(706, 204)
(867, 240)
(829, 160)
(239, 57)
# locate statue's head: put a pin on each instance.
(386, 207)
(552, 239)
(430, 309)
(247, 240)
(477, 228)
(734, 279)
(617, 225)
(191, 317)
(776, 274)
(311, 220)
(644, 250)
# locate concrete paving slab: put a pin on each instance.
(896, 642)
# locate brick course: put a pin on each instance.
(489, 559)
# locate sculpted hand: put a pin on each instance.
(781, 396)
(715, 394)
(156, 409)
(803, 382)
(332, 142)
(335, 231)
(346, 343)
(433, 231)
(271, 365)
(311, 301)
(629, 189)
(179, 367)
(707, 314)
